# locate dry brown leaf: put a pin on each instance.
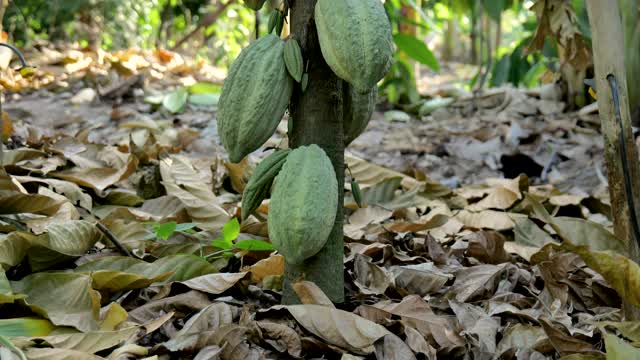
(416, 279)
(7, 127)
(310, 294)
(98, 178)
(339, 328)
(281, 337)
(564, 343)
(273, 265)
(183, 181)
(419, 344)
(215, 283)
(434, 222)
(369, 174)
(391, 347)
(237, 174)
(488, 219)
(477, 281)
(370, 278)
(488, 247)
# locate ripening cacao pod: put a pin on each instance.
(254, 4)
(358, 108)
(355, 39)
(293, 59)
(254, 97)
(261, 180)
(303, 205)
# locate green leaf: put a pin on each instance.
(494, 8)
(113, 281)
(66, 299)
(185, 227)
(155, 99)
(222, 243)
(231, 230)
(90, 342)
(164, 231)
(205, 88)
(500, 73)
(182, 266)
(532, 77)
(618, 349)
(175, 101)
(25, 327)
(204, 99)
(254, 245)
(416, 50)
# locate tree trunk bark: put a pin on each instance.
(317, 119)
(608, 45)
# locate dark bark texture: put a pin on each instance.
(317, 119)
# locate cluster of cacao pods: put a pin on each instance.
(355, 41)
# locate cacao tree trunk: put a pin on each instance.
(317, 119)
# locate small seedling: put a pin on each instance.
(230, 232)
(164, 231)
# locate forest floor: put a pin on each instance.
(455, 257)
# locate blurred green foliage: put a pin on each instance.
(491, 34)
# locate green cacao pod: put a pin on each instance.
(261, 180)
(273, 20)
(358, 108)
(355, 39)
(280, 23)
(254, 97)
(303, 205)
(293, 59)
(356, 192)
(254, 4)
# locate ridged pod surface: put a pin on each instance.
(293, 59)
(303, 205)
(254, 97)
(358, 108)
(355, 39)
(254, 4)
(261, 180)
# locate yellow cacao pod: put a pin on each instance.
(303, 205)
(254, 97)
(358, 108)
(355, 39)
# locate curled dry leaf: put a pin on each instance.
(340, 328)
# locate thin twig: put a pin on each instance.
(112, 238)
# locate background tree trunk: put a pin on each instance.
(608, 44)
(317, 119)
